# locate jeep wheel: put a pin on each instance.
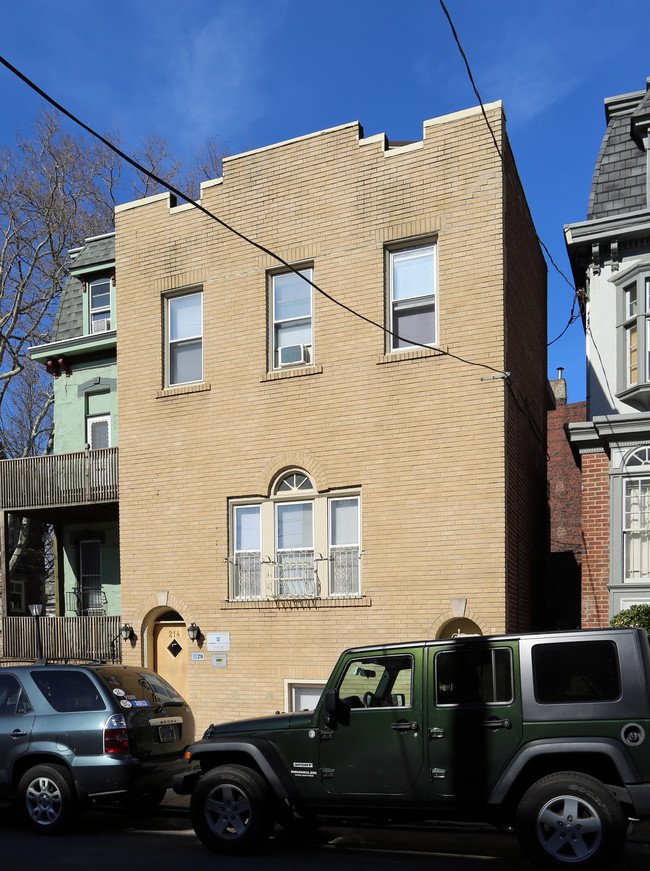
(570, 818)
(47, 799)
(230, 810)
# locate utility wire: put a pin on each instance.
(500, 153)
(230, 228)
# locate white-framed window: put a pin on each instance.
(412, 296)
(636, 516)
(184, 335)
(247, 562)
(292, 342)
(302, 695)
(99, 301)
(344, 538)
(297, 543)
(98, 431)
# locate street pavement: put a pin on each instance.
(106, 838)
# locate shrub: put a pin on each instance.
(635, 615)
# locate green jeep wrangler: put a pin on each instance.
(543, 732)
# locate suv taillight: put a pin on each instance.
(116, 737)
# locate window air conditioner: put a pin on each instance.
(101, 325)
(291, 354)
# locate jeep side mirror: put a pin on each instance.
(331, 708)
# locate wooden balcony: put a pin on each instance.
(65, 638)
(33, 484)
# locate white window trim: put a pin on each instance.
(290, 685)
(97, 418)
(100, 310)
(307, 357)
(392, 252)
(321, 520)
(168, 341)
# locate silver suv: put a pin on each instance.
(70, 734)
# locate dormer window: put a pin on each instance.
(99, 300)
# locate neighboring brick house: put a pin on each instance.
(293, 479)
(610, 257)
(565, 513)
(75, 489)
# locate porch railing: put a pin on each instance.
(60, 479)
(63, 638)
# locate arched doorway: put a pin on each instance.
(170, 642)
(458, 627)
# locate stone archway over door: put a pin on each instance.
(170, 643)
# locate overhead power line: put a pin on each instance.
(168, 186)
(572, 318)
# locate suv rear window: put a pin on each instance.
(68, 690)
(576, 671)
(142, 688)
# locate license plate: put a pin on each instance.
(167, 733)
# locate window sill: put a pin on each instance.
(280, 374)
(409, 354)
(183, 390)
(296, 604)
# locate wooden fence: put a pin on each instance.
(63, 638)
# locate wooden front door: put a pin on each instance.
(170, 654)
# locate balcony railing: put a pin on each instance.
(62, 638)
(295, 574)
(86, 601)
(59, 479)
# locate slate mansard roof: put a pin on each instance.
(96, 253)
(620, 178)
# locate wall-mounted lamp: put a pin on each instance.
(193, 631)
(37, 611)
(126, 631)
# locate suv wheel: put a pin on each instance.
(570, 818)
(47, 799)
(230, 810)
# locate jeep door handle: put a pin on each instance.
(17, 733)
(405, 727)
(497, 724)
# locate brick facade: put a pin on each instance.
(565, 513)
(595, 529)
(449, 461)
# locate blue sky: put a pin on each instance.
(254, 72)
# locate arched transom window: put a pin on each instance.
(298, 543)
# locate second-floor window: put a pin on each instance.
(99, 300)
(184, 329)
(296, 544)
(292, 321)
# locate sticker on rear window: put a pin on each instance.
(118, 692)
(126, 703)
(141, 703)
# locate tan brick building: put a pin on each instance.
(294, 479)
